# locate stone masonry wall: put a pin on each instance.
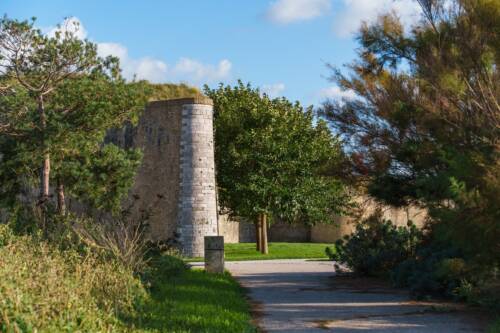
(197, 206)
(175, 183)
(234, 231)
(156, 184)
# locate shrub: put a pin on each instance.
(439, 268)
(45, 289)
(376, 246)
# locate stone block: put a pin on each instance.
(214, 254)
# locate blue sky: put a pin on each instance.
(280, 46)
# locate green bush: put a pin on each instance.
(376, 246)
(45, 289)
(439, 268)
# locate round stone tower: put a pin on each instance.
(197, 207)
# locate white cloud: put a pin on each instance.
(156, 70)
(273, 90)
(335, 93)
(70, 24)
(288, 11)
(197, 72)
(145, 68)
(148, 68)
(113, 49)
(354, 12)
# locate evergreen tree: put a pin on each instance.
(57, 100)
(425, 125)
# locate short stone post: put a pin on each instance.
(214, 254)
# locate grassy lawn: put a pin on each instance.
(246, 251)
(191, 300)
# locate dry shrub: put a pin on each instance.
(118, 239)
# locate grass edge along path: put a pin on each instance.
(186, 300)
(277, 250)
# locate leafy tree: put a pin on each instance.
(270, 159)
(424, 127)
(57, 100)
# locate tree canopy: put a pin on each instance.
(271, 156)
(57, 100)
(425, 124)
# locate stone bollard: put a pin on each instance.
(214, 254)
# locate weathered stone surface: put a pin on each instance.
(175, 185)
(197, 215)
(214, 254)
(214, 243)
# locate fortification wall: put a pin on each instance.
(345, 225)
(234, 232)
(175, 184)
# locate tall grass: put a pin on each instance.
(45, 289)
(62, 284)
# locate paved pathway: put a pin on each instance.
(306, 296)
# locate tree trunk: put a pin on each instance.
(264, 245)
(258, 233)
(61, 202)
(45, 172)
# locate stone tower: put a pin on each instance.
(175, 183)
(197, 212)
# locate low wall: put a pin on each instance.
(345, 225)
(244, 232)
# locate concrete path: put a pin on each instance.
(306, 296)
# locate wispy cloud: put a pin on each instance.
(198, 72)
(353, 12)
(289, 11)
(273, 90)
(148, 68)
(348, 16)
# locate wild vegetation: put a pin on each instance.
(424, 130)
(48, 287)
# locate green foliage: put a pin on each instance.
(441, 268)
(424, 127)
(103, 178)
(270, 157)
(437, 270)
(495, 327)
(58, 99)
(46, 290)
(376, 246)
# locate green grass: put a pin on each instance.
(48, 290)
(194, 301)
(247, 251)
